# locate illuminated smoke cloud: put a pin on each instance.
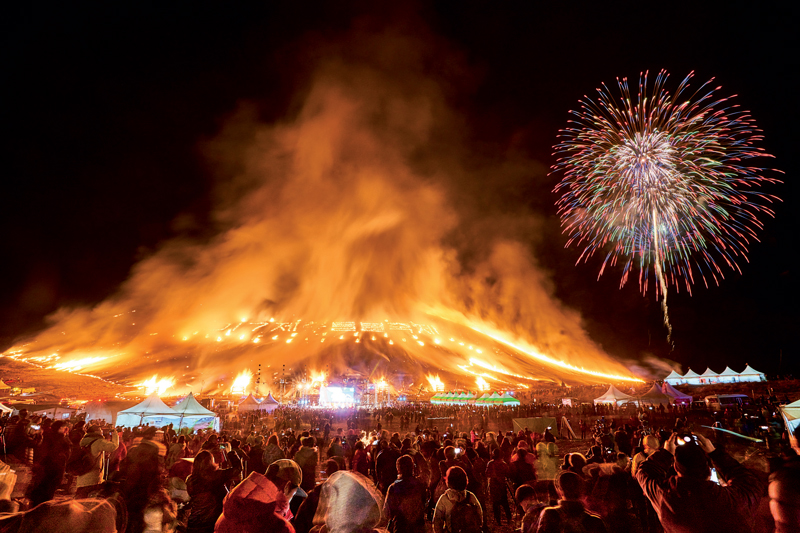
(345, 210)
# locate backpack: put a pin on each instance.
(83, 462)
(465, 517)
(571, 524)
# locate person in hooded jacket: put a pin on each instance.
(349, 503)
(206, 488)
(97, 446)
(455, 496)
(261, 502)
(404, 506)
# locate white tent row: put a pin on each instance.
(251, 403)
(710, 377)
(152, 411)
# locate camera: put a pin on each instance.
(36, 427)
(458, 451)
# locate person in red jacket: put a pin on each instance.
(689, 501)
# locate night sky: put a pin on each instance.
(106, 109)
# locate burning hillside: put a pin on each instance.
(343, 240)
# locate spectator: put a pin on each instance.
(457, 510)
(206, 488)
(497, 473)
(52, 456)
(526, 498)
(404, 507)
(304, 520)
(569, 515)
(784, 497)
(261, 502)
(386, 466)
(689, 500)
(306, 458)
(176, 451)
(73, 516)
(546, 460)
(651, 445)
(255, 456)
(94, 445)
(272, 452)
(287, 476)
(360, 462)
(521, 471)
(348, 504)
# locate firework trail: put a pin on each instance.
(662, 179)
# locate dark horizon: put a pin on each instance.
(109, 113)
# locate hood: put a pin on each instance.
(254, 501)
(455, 495)
(349, 502)
(90, 438)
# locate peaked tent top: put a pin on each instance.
(669, 390)
(189, 406)
(709, 373)
(152, 405)
(250, 400)
(617, 394)
(674, 374)
(691, 374)
(728, 372)
(654, 394)
(4, 385)
(749, 370)
(269, 400)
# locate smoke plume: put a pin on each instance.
(366, 202)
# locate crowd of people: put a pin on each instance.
(410, 469)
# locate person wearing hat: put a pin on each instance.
(261, 502)
(94, 443)
(689, 500)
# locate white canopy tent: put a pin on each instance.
(152, 411)
(269, 403)
(728, 376)
(708, 377)
(195, 416)
(5, 409)
(749, 374)
(249, 404)
(674, 378)
(655, 396)
(614, 396)
(691, 378)
(791, 415)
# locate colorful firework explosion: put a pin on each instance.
(661, 180)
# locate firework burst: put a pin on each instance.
(661, 180)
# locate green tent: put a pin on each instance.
(494, 399)
(509, 400)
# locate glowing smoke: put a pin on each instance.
(346, 210)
